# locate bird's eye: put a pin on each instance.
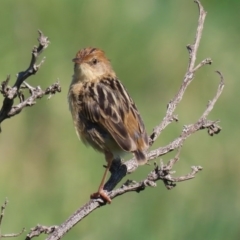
(94, 61)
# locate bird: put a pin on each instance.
(104, 115)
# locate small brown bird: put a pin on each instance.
(103, 113)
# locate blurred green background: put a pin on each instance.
(47, 174)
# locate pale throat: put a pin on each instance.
(85, 73)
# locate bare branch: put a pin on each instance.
(36, 93)
(201, 124)
(161, 172)
(202, 63)
(3, 207)
(214, 100)
(12, 235)
(192, 49)
(9, 235)
(39, 229)
(10, 93)
(33, 67)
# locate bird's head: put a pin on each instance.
(91, 64)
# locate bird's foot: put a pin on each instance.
(101, 193)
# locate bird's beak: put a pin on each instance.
(77, 60)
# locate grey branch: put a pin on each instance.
(36, 93)
(9, 235)
(189, 76)
(163, 172)
(39, 229)
(160, 172)
(10, 93)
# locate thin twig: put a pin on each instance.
(3, 207)
(192, 49)
(36, 93)
(9, 235)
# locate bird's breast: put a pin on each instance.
(90, 131)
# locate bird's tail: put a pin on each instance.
(141, 157)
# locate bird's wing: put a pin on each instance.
(108, 104)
